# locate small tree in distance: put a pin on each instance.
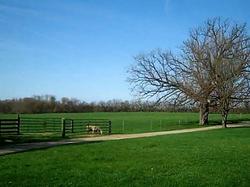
(212, 69)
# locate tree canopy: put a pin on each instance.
(211, 69)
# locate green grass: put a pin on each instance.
(211, 158)
(138, 122)
(122, 122)
(134, 122)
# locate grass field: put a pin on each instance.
(122, 122)
(137, 122)
(212, 158)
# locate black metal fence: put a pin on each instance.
(10, 126)
(39, 125)
(83, 126)
(65, 126)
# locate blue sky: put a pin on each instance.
(82, 48)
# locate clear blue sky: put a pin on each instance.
(82, 48)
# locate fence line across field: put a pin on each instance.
(65, 126)
(78, 125)
(122, 125)
(10, 126)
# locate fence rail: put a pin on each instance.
(82, 126)
(10, 126)
(40, 125)
(52, 125)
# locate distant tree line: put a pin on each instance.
(49, 104)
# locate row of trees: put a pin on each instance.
(212, 70)
(49, 104)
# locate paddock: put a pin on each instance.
(64, 126)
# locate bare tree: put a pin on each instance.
(230, 58)
(177, 80)
(212, 68)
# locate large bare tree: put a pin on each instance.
(162, 75)
(230, 58)
(196, 75)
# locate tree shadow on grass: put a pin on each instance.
(25, 147)
(34, 138)
(15, 139)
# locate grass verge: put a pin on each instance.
(211, 158)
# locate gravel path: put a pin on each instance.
(40, 145)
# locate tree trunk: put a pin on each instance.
(224, 119)
(204, 111)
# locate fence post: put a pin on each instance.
(109, 127)
(63, 127)
(72, 125)
(123, 125)
(44, 126)
(18, 124)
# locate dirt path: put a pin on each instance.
(40, 145)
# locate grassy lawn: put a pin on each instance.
(137, 122)
(211, 158)
(122, 122)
